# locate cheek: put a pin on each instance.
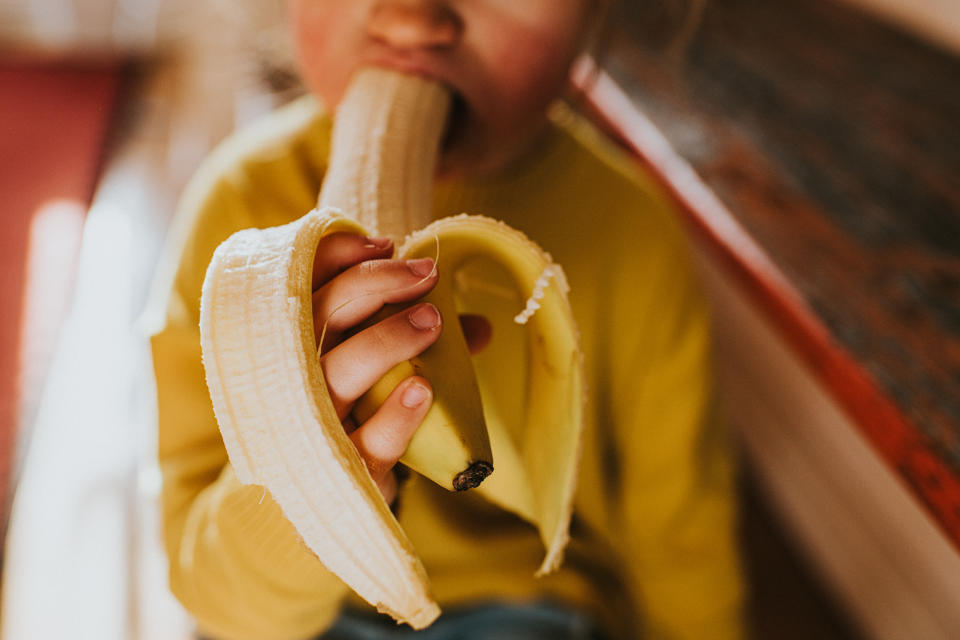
(526, 75)
(322, 36)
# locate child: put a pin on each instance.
(652, 551)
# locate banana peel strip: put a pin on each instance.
(278, 423)
(541, 463)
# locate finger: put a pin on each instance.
(389, 487)
(341, 250)
(477, 330)
(355, 364)
(383, 438)
(349, 424)
(363, 289)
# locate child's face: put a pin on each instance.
(505, 59)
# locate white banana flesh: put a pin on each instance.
(270, 397)
(384, 151)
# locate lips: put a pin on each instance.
(413, 62)
(455, 122)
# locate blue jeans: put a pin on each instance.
(492, 621)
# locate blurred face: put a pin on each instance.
(505, 60)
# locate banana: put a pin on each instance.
(532, 392)
(524, 404)
(383, 153)
(382, 162)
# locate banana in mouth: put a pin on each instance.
(521, 426)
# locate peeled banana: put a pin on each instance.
(383, 153)
(270, 397)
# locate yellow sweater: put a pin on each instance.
(653, 543)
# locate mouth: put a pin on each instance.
(456, 121)
(455, 125)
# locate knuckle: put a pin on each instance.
(366, 269)
(370, 268)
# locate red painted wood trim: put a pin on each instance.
(899, 442)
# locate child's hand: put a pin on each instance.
(353, 277)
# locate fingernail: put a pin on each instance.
(421, 266)
(414, 395)
(425, 316)
(379, 243)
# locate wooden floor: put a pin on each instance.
(786, 600)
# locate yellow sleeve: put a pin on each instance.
(676, 510)
(236, 563)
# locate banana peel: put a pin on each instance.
(270, 397)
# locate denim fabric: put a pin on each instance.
(494, 621)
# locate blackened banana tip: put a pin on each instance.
(472, 476)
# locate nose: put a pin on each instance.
(415, 24)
